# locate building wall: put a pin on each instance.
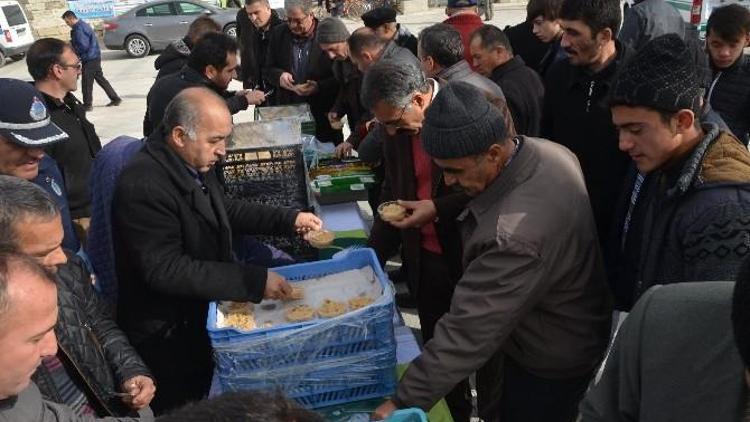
(45, 17)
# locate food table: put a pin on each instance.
(277, 171)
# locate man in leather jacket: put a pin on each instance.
(95, 371)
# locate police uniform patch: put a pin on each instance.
(55, 187)
(38, 110)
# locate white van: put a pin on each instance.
(15, 32)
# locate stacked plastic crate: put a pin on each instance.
(319, 363)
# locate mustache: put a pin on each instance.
(569, 50)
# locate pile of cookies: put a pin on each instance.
(328, 309)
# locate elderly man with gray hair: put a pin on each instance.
(300, 70)
(533, 285)
(172, 231)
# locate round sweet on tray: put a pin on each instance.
(359, 302)
(331, 308)
(300, 313)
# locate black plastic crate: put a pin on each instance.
(273, 176)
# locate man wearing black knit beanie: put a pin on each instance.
(684, 214)
(533, 286)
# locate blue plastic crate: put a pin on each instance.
(321, 362)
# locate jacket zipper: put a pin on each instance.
(713, 85)
(591, 94)
(85, 381)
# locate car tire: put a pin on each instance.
(137, 46)
(231, 30)
(2, 58)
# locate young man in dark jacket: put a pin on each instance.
(254, 23)
(172, 233)
(545, 21)
(94, 361)
(382, 20)
(86, 45)
(728, 33)
(212, 64)
(175, 56)
(533, 285)
(300, 71)
(523, 89)
(576, 113)
(683, 216)
(55, 68)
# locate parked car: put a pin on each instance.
(152, 26)
(15, 32)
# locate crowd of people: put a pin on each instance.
(577, 232)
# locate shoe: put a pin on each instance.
(88, 108)
(115, 102)
(405, 300)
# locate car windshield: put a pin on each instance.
(14, 15)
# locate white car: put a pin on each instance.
(15, 32)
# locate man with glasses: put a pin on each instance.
(305, 75)
(55, 68)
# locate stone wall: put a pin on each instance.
(45, 18)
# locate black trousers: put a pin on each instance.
(528, 398)
(434, 296)
(92, 71)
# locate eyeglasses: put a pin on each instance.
(395, 123)
(76, 66)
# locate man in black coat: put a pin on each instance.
(212, 64)
(382, 20)
(55, 68)
(523, 89)
(254, 23)
(172, 232)
(300, 71)
(576, 113)
(175, 56)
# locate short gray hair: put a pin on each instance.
(393, 82)
(304, 5)
(185, 111)
(21, 199)
(11, 263)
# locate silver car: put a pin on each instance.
(152, 26)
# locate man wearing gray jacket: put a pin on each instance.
(533, 284)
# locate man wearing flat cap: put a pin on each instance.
(533, 283)
(684, 215)
(383, 21)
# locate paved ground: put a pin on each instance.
(132, 78)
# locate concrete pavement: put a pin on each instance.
(132, 78)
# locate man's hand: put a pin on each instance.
(141, 389)
(343, 149)
(276, 287)
(306, 89)
(255, 97)
(306, 222)
(286, 81)
(384, 411)
(418, 214)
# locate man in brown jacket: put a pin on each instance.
(533, 284)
